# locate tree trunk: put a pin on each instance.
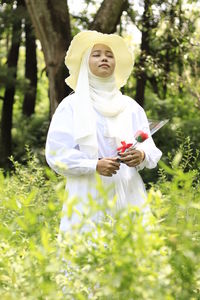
(108, 15)
(166, 71)
(141, 73)
(7, 109)
(180, 54)
(169, 57)
(51, 21)
(30, 71)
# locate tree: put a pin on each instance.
(30, 70)
(52, 25)
(108, 16)
(6, 120)
(145, 51)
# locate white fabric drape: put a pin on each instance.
(105, 96)
(64, 156)
(101, 94)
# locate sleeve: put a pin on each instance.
(152, 153)
(62, 154)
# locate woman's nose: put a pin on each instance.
(104, 58)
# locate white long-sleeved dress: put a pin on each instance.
(64, 157)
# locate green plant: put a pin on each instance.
(128, 254)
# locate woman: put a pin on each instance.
(89, 125)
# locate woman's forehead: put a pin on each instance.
(101, 47)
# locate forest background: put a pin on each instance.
(165, 39)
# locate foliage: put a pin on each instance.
(31, 130)
(127, 254)
(30, 212)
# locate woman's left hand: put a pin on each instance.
(132, 157)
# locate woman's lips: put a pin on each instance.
(104, 65)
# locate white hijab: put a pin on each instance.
(100, 94)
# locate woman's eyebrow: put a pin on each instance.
(96, 51)
(108, 51)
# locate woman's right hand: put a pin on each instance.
(108, 166)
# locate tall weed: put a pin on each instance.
(128, 254)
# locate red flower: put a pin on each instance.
(124, 147)
(141, 136)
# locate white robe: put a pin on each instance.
(64, 157)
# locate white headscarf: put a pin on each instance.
(100, 94)
(105, 96)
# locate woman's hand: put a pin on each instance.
(107, 166)
(132, 157)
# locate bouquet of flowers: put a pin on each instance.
(141, 136)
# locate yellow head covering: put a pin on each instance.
(87, 39)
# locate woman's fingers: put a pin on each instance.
(115, 165)
(107, 166)
(132, 158)
(110, 165)
(126, 158)
(114, 161)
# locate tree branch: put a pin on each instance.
(108, 16)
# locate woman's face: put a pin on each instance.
(101, 61)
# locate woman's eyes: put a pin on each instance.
(98, 55)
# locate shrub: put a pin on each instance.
(128, 254)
